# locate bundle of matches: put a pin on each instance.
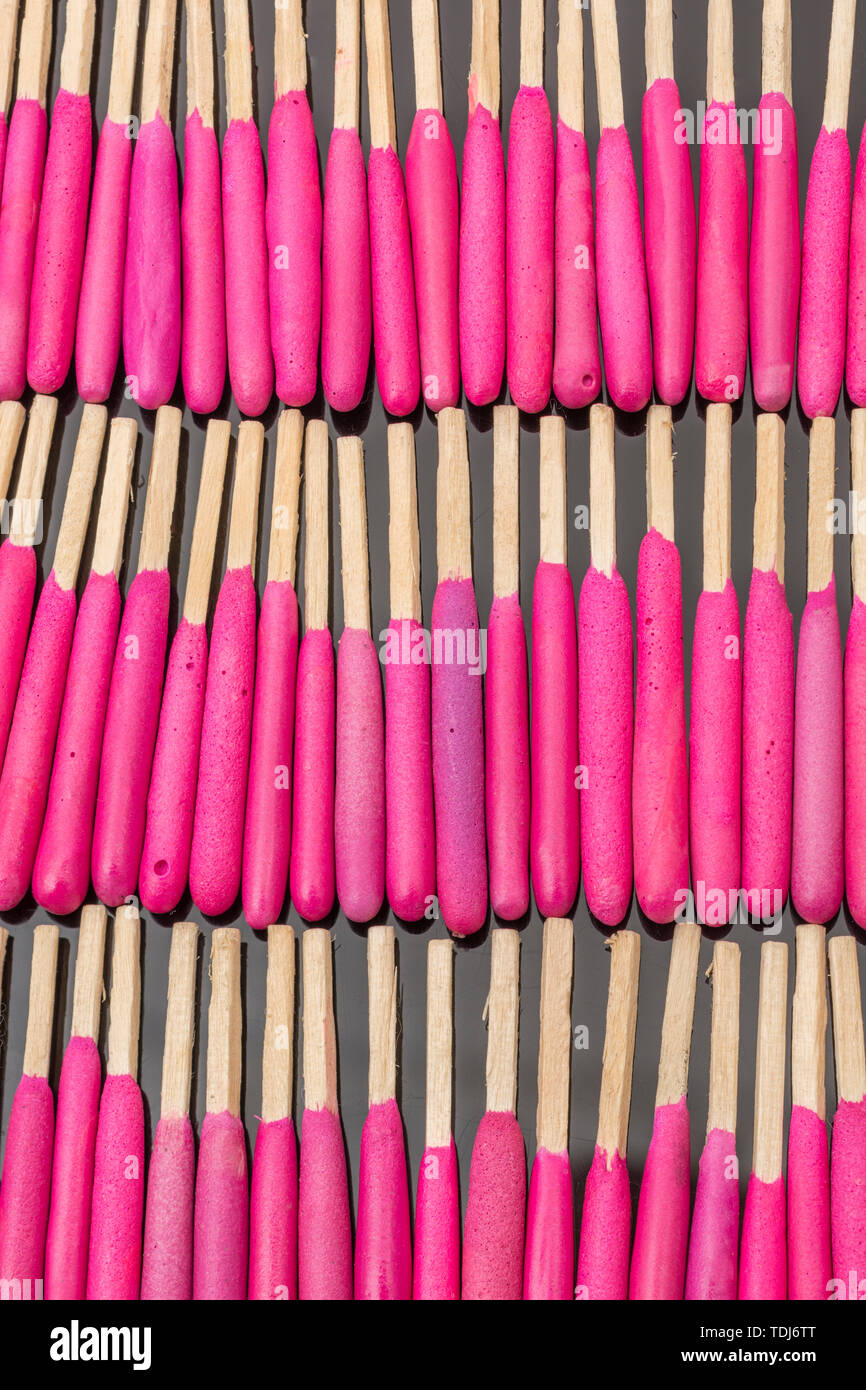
(221, 1232)
(496, 1206)
(26, 1184)
(77, 1117)
(383, 1249)
(166, 1271)
(274, 1190)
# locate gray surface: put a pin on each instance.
(812, 24)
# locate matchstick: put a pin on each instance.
(809, 1263)
(855, 693)
(846, 1156)
(436, 1271)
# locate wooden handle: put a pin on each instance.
(40, 1013)
(506, 500)
(320, 1035)
(380, 82)
(440, 1043)
(158, 68)
(839, 62)
(161, 490)
(382, 996)
(717, 499)
(239, 61)
(353, 534)
(8, 46)
(503, 1011)
(848, 1048)
(282, 555)
(347, 65)
(569, 61)
(224, 1023)
(89, 989)
(769, 539)
(34, 465)
(34, 51)
(114, 503)
(453, 499)
(199, 61)
(77, 53)
(316, 512)
(679, 1014)
(179, 1021)
(244, 524)
(207, 521)
(809, 1021)
(858, 487)
(776, 48)
(659, 40)
(618, 1062)
(822, 490)
(553, 526)
(125, 1011)
(720, 51)
(277, 1057)
(79, 495)
(554, 1046)
(12, 417)
(485, 83)
(425, 50)
(124, 55)
(608, 79)
(290, 48)
(770, 1064)
(724, 1037)
(532, 43)
(660, 471)
(404, 546)
(602, 489)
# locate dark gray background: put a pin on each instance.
(811, 34)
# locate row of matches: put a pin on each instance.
(244, 761)
(460, 287)
(77, 1217)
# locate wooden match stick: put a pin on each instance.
(458, 731)
(482, 217)
(602, 490)
(848, 1226)
(114, 1262)
(809, 1263)
(346, 292)
(311, 869)
(12, 417)
(268, 833)
(359, 796)
(774, 266)
(555, 831)
(8, 46)
(660, 472)
(59, 251)
(132, 716)
(716, 698)
(30, 747)
(168, 1223)
(605, 1231)
(768, 553)
(30, 1135)
(383, 1247)
(203, 327)
(549, 1267)
(247, 262)
(436, 1265)
(274, 1194)
(216, 854)
(221, 1237)
(855, 746)
(658, 1265)
(712, 1263)
(395, 323)
(410, 866)
(763, 1271)
(26, 506)
(507, 790)
(61, 871)
(495, 1212)
(324, 1223)
(817, 868)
